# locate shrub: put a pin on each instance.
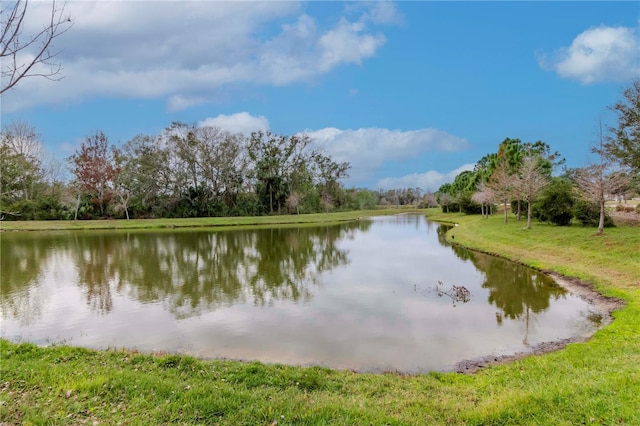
(468, 206)
(588, 213)
(555, 203)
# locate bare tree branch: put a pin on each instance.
(29, 55)
(501, 184)
(529, 181)
(598, 180)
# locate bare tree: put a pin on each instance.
(501, 185)
(22, 139)
(529, 181)
(55, 171)
(24, 54)
(598, 180)
(445, 201)
(483, 196)
(293, 202)
(429, 199)
(21, 162)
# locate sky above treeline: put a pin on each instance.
(410, 93)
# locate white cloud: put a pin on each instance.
(241, 122)
(186, 51)
(369, 148)
(179, 102)
(597, 55)
(346, 44)
(431, 180)
(379, 11)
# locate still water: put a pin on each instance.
(370, 295)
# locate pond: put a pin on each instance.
(378, 294)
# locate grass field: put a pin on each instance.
(592, 383)
(201, 222)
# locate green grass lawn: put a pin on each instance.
(592, 383)
(203, 222)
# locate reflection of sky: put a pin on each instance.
(376, 313)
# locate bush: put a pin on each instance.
(245, 205)
(588, 213)
(50, 208)
(469, 206)
(638, 209)
(556, 203)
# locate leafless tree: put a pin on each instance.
(483, 196)
(501, 185)
(597, 180)
(25, 54)
(293, 203)
(55, 171)
(429, 199)
(22, 139)
(21, 148)
(445, 201)
(529, 181)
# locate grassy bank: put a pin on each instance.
(201, 222)
(596, 382)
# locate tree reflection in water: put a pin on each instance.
(516, 290)
(21, 263)
(188, 271)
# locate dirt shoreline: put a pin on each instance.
(603, 304)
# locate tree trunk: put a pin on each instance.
(75, 217)
(270, 200)
(506, 207)
(519, 210)
(528, 214)
(601, 223)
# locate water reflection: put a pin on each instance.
(513, 288)
(518, 292)
(188, 271)
(344, 296)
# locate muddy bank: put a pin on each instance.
(603, 304)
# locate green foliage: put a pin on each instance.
(245, 205)
(18, 210)
(624, 141)
(50, 208)
(187, 171)
(364, 199)
(467, 205)
(588, 213)
(556, 203)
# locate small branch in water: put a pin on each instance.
(456, 293)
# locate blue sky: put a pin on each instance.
(410, 93)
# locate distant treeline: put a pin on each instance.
(186, 171)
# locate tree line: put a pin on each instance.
(520, 175)
(193, 171)
(186, 171)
